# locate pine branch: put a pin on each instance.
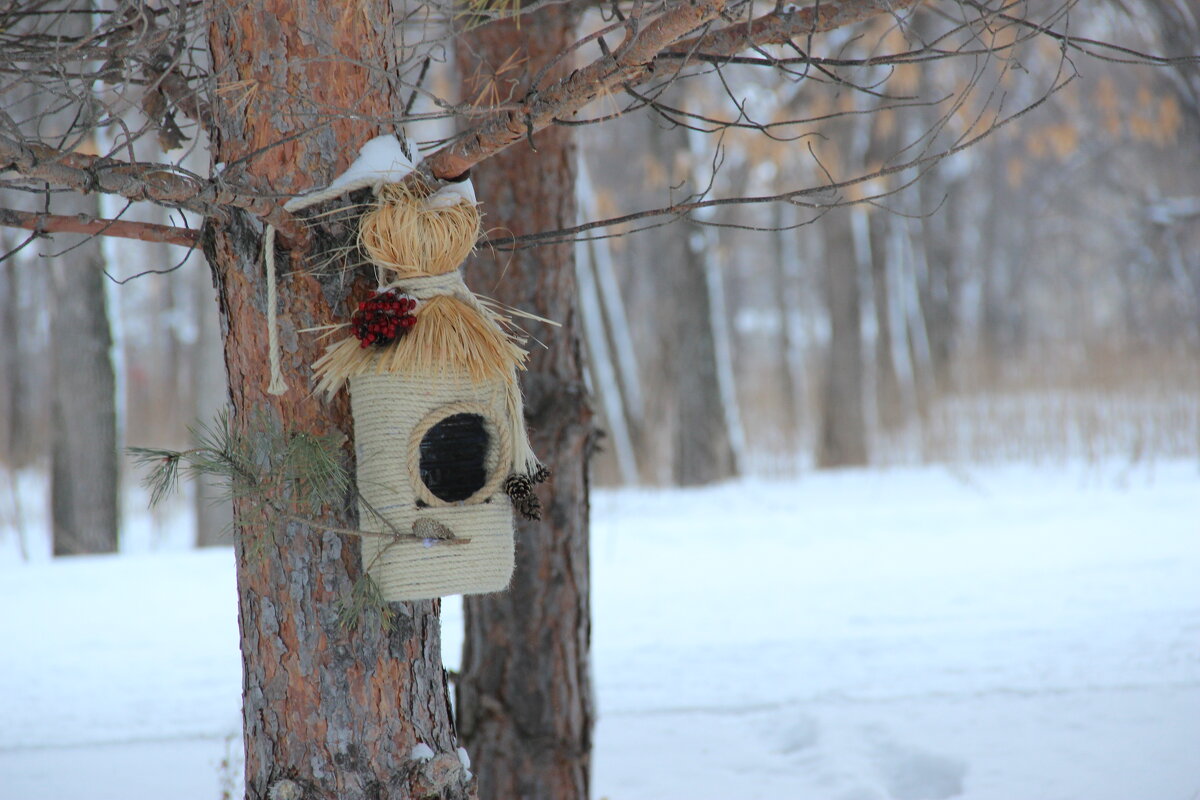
(164, 185)
(273, 474)
(364, 596)
(629, 63)
(162, 478)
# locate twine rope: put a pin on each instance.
(500, 450)
(424, 287)
(390, 413)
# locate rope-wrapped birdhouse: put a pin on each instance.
(443, 457)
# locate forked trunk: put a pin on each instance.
(524, 699)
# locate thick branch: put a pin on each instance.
(630, 63)
(634, 62)
(81, 223)
(787, 23)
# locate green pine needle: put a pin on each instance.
(274, 474)
(365, 596)
(162, 476)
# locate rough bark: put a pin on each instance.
(525, 697)
(843, 436)
(335, 711)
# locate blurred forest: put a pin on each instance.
(1035, 296)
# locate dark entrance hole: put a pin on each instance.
(454, 457)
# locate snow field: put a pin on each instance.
(1008, 633)
(1017, 635)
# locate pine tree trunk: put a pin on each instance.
(525, 695)
(334, 711)
(83, 413)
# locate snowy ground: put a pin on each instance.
(1007, 633)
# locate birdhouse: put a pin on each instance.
(443, 457)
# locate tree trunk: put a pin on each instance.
(525, 694)
(703, 450)
(784, 279)
(889, 396)
(843, 435)
(943, 289)
(83, 428)
(18, 366)
(334, 711)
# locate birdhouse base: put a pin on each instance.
(418, 570)
(432, 455)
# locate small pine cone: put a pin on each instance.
(518, 487)
(541, 474)
(428, 528)
(529, 507)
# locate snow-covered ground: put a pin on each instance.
(1001, 633)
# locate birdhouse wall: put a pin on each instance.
(432, 454)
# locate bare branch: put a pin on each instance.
(818, 198)
(82, 223)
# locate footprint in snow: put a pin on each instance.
(802, 734)
(912, 774)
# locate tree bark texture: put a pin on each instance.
(525, 695)
(332, 710)
(83, 412)
(843, 436)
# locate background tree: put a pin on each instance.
(524, 706)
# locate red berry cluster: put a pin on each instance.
(383, 317)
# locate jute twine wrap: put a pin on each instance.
(415, 356)
(391, 414)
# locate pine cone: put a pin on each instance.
(519, 488)
(529, 507)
